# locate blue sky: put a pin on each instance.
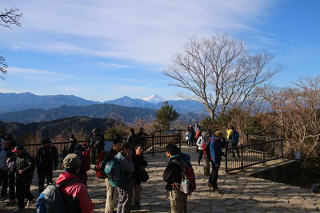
(105, 49)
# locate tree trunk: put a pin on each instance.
(211, 113)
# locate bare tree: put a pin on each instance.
(8, 17)
(297, 113)
(219, 71)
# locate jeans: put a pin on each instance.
(200, 152)
(125, 198)
(213, 179)
(235, 147)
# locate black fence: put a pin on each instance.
(156, 142)
(256, 150)
(62, 148)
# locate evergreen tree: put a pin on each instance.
(165, 115)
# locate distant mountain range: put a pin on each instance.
(12, 102)
(182, 106)
(122, 113)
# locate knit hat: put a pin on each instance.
(71, 161)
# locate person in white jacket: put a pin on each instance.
(201, 144)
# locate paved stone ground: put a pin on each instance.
(240, 193)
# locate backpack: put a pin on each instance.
(99, 170)
(114, 172)
(188, 182)
(52, 201)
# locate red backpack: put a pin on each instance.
(187, 174)
(99, 170)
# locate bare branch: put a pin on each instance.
(10, 17)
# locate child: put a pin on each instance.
(188, 138)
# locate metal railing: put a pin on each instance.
(156, 142)
(257, 150)
(62, 148)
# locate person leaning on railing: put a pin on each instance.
(96, 144)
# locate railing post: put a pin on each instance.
(179, 138)
(263, 153)
(160, 139)
(227, 158)
(241, 149)
(152, 144)
(281, 144)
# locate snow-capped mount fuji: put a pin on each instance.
(155, 99)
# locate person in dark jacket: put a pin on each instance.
(46, 161)
(172, 175)
(111, 192)
(140, 165)
(125, 189)
(5, 153)
(193, 134)
(96, 144)
(73, 142)
(234, 136)
(80, 150)
(142, 137)
(217, 142)
(24, 174)
(132, 139)
(11, 166)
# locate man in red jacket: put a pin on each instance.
(76, 190)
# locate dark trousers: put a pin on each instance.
(125, 198)
(213, 179)
(42, 175)
(189, 143)
(23, 183)
(235, 147)
(200, 152)
(4, 177)
(12, 189)
(94, 155)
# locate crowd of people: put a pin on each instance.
(122, 165)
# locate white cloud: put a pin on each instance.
(146, 31)
(34, 74)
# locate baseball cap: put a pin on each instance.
(18, 148)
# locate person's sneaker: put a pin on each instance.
(30, 202)
(17, 210)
